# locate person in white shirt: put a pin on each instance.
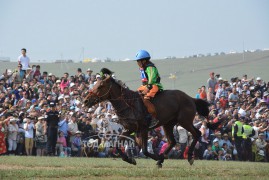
(12, 135)
(29, 136)
(24, 60)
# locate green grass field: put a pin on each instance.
(12, 167)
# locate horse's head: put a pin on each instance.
(100, 92)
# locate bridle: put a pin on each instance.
(99, 97)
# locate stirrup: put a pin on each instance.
(154, 122)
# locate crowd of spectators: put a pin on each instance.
(27, 94)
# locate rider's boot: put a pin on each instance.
(151, 116)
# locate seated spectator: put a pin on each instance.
(61, 146)
(175, 153)
(208, 153)
(102, 148)
(227, 153)
(216, 149)
(76, 148)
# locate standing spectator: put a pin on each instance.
(88, 74)
(212, 81)
(197, 96)
(18, 75)
(41, 137)
(210, 95)
(24, 60)
(182, 139)
(52, 120)
(29, 136)
(63, 126)
(204, 139)
(3, 148)
(233, 97)
(203, 94)
(12, 135)
(72, 127)
(237, 134)
(248, 132)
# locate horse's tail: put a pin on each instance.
(202, 107)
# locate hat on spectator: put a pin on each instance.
(50, 74)
(9, 72)
(41, 117)
(26, 119)
(66, 96)
(79, 69)
(89, 70)
(220, 79)
(52, 104)
(246, 84)
(265, 93)
(215, 140)
(19, 89)
(72, 84)
(58, 81)
(225, 135)
(78, 132)
(33, 100)
(72, 107)
(60, 97)
(258, 78)
(13, 120)
(115, 116)
(98, 76)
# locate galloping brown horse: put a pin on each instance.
(173, 107)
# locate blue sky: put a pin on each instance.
(119, 28)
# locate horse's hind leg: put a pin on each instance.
(168, 129)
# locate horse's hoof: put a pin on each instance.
(191, 161)
(159, 166)
(132, 161)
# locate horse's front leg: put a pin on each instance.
(144, 146)
(123, 155)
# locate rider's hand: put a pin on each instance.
(146, 90)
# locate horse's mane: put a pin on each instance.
(106, 71)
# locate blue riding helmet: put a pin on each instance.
(142, 54)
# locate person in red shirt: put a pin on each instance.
(203, 94)
(223, 102)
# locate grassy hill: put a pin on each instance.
(191, 72)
